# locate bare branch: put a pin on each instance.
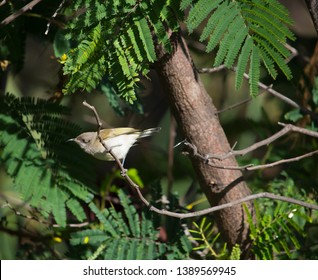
(18, 213)
(34, 218)
(20, 12)
(313, 10)
(294, 52)
(263, 166)
(267, 88)
(3, 2)
(98, 121)
(211, 70)
(172, 136)
(80, 225)
(99, 126)
(260, 85)
(287, 128)
(273, 92)
(53, 16)
(249, 167)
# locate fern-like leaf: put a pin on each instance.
(185, 4)
(242, 62)
(225, 46)
(120, 45)
(244, 30)
(254, 71)
(45, 172)
(199, 12)
(130, 236)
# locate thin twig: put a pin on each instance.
(18, 13)
(18, 213)
(231, 107)
(53, 16)
(282, 161)
(99, 126)
(211, 70)
(260, 85)
(172, 136)
(98, 121)
(196, 213)
(287, 128)
(249, 167)
(80, 225)
(270, 90)
(294, 53)
(267, 88)
(34, 218)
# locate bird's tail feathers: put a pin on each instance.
(150, 131)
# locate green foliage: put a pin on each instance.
(293, 115)
(244, 30)
(315, 92)
(202, 234)
(42, 165)
(115, 40)
(127, 235)
(279, 229)
(236, 253)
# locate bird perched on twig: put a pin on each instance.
(118, 140)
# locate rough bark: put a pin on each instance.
(194, 110)
(313, 10)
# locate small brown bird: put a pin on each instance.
(118, 140)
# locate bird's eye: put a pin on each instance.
(85, 140)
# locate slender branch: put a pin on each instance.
(267, 88)
(260, 85)
(273, 92)
(248, 167)
(263, 166)
(99, 126)
(238, 104)
(294, 52)
(196, 213)
(287, 128)
(98, 121)
(80, 225)
(172, 136)
(312, 6)
(34, 218)
(18, 13)
(18, 213)
(212, 70)
(53, 16)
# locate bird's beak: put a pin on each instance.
(70, 140)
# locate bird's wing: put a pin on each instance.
(113, 132)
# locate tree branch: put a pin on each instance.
(260, 85)
(267, 88)
(99, 126)
(18, 13)
(249, 167)
(34, 218)
(287, 128)
(312, 6)
(53, 16)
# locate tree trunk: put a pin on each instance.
(312, 6)
(196, 116)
